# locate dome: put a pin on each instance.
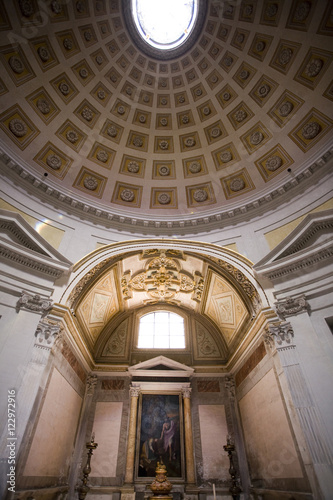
(226, 124)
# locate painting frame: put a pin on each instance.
(160, 435)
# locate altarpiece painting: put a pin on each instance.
(160, 435)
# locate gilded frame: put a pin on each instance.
(160, 413)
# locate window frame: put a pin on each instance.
(155, 309)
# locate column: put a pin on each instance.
(190, 474)
(304, 416)
(134, 394)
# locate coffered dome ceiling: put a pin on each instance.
(230, 123)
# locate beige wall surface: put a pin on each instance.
(269, 442)
(213, 431)
(52, 444)
(107, 423)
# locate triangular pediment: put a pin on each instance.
(312, 237)
(18, 239)
(161, 366)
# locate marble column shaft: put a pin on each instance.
(134, 393)
(190, 475)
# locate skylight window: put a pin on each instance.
(161, 330)
(164, 24)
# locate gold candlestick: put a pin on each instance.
(84, 488)
(234, 489)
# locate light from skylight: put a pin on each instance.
(165, 24)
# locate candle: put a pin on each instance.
(214, 492)
(93, 437)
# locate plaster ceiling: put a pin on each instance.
(234, 122)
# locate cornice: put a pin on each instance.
(16, 169)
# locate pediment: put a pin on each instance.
(18, 239)
(161, 366)
(311, 240)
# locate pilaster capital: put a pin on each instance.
(46, 334)
(134, 392)
(279, 334)
(291, 306)
(34, 303)
(91, 384)
(230, 386)
(186, 392)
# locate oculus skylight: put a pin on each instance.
(164, 24)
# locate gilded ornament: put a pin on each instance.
(226, 96)
(181, 99)
(142, 119)
(164, 122)
(99, 59)
(248, 10)
(198, 92)
(87, 36)
(129, 90)
(185, 119)
(164, 101)
(206, 110)
(80, 7)
(214, 79)
(244, 74)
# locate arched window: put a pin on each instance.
(161, 330)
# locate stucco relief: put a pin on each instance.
(99, 305)
(224, 306)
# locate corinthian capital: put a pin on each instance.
(280, 334)
(291, 306)
(134, 392)
(186, 392)
(46, 334)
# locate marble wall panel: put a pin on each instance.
(213, 430)
(53, 441)
(106, 426)
(269, 443)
